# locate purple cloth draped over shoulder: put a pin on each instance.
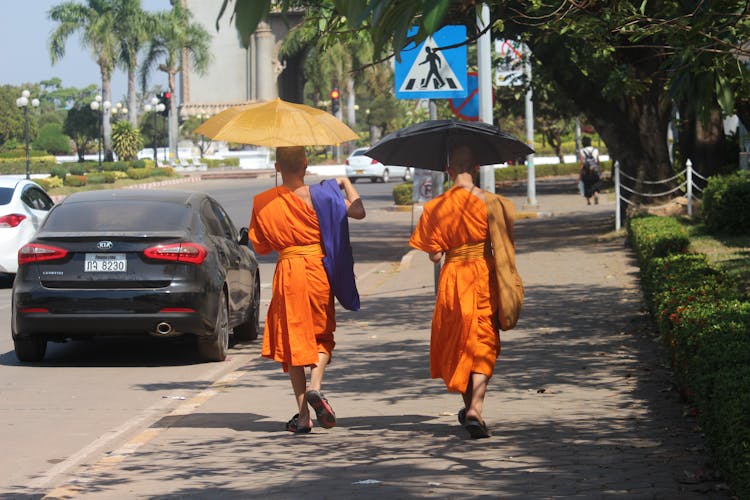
(334, 231)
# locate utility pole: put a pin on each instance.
(484, 59)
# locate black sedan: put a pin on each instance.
(136, 262)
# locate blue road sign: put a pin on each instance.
(427, 72)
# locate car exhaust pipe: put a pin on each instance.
(164, 328)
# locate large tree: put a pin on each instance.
(175, 35)
(134, 26)
(626, 65)
(96, 24)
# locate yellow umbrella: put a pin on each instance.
(277, 123)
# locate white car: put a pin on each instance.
(359, 166)
(23, 207)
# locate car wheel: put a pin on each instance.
(386, 176)
(30, 349)
(249, 329)
(408, 175)
(214, 347)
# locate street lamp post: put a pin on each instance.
(23, 102)
(98, 105)
(157, 107)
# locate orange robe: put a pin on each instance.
(464, 326)
(301, 316)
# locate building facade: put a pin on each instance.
(237, 75)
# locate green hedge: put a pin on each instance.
(657, 237)
(19, 167)
(139, 173)
(704, 319)
(225, 162)
(75, 180)
(725, 203)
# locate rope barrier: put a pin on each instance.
(652, 182)
(655, 195)
(687, 186)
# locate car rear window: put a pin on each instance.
(118, 216)
(6, 194)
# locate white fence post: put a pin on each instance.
(618, 221)
(689, 168)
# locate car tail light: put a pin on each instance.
(192, 253)
(374, 162)
(347, 162)
(177, 310)
(36, 252)
(11, 220)
(28, 310)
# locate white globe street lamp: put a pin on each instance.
(23, 102)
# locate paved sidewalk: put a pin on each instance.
(581, 405)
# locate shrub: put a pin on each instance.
(162, 172)
(75, 180)
(49, 183)
(402, 193)
(139, 173)
(19, 167)
(705, 320)
(52, 139)
(95, 178)
(117, 166)
(725, 202)
(111, 177)
(59, 171)
(225, 162)
(657, 237)
(18, 154)
(126, 140)
(138, 163)
(78, 169)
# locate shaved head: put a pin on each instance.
(291, 159)
(462, 159)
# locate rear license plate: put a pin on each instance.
(106, 263)
(360, 171)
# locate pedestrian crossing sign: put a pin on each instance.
(426, 71)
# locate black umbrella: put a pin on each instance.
(426, 145)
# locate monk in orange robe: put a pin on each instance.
(301, 320)
(465, 342)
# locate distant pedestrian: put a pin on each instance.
(301, 317)
(590, 170)
(465, 340)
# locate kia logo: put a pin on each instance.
(104, 245)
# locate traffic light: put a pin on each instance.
(335, 100)
(165, 98)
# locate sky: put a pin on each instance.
(24, 54)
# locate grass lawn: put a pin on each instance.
(731, 253)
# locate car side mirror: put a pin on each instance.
(244, 239)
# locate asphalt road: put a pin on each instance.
(88, 397)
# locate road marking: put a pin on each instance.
(76, 485)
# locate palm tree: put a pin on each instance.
(134, 26)
(173, 36)
(96, 24)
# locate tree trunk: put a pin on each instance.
(351, 101)
(132, 101)
(173, 124)
(703, 143)
(106, 114)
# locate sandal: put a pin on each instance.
(476, 428)
(462, 416)
(323, 410)
(293, 426)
